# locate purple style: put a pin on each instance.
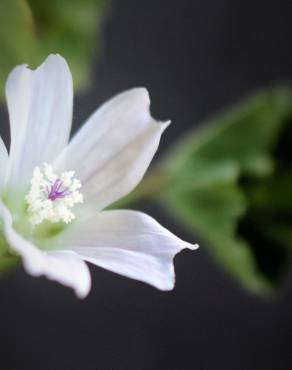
(54, 191)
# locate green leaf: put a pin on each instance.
(230, 183)
(32, 29)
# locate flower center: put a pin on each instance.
(54, 191)
(51, 197)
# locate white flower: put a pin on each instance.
(48, 219)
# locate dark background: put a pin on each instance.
(195, 57)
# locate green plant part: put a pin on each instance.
(32, 29)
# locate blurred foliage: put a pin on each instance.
(230, 182)
(7, 260)
(32, 29)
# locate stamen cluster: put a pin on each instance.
(52, 197)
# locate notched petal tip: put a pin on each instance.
(193, 247)
(52, 58)
(164, 124)
(143, 94)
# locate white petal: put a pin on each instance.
(68, 269)
(3, 163)
(40, 111)
(129, 243)
(63, 266)
(114, 148)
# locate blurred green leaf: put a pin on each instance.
(32, 29)
(230, 182)
(17, 39)
(7, 260)
(7, 263)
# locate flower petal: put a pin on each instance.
(127, 242)
(66, 267)
(3, 163)
(114, 148)
(40, 110)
